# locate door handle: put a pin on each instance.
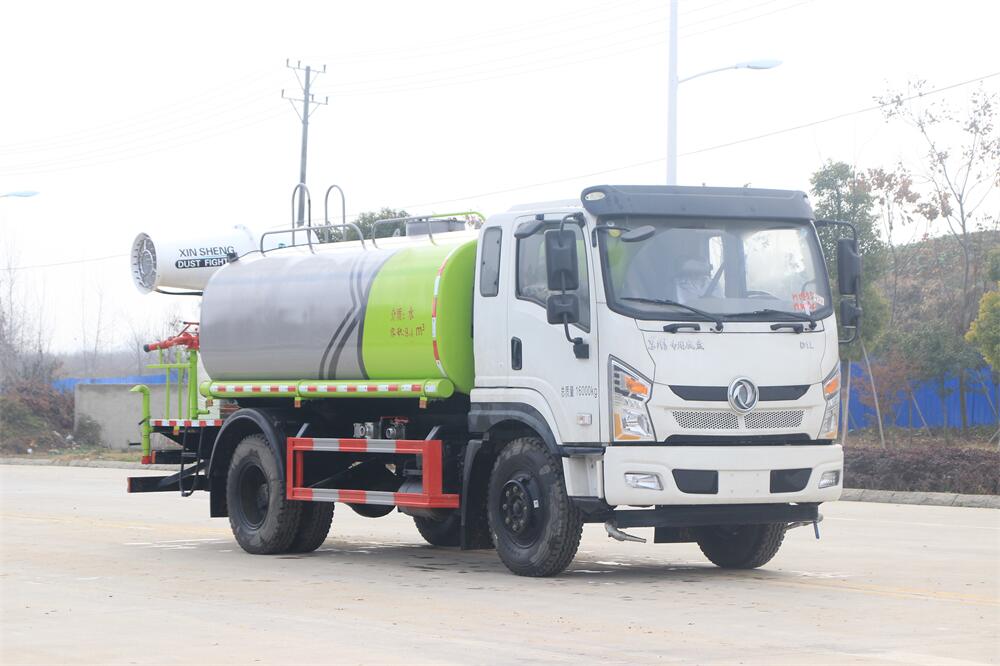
(515, 353)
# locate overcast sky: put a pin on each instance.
(168, 118)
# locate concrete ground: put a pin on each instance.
(89, 574)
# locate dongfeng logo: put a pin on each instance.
(742, 395)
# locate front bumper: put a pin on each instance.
(742, 474)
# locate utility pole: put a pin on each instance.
(672, 84)
(308, 103)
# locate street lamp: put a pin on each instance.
(674, 82)
(23, 193)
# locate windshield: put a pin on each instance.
(738, 270)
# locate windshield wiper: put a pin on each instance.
(666, 301)
(772, 311)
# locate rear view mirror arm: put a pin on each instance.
(856, 329)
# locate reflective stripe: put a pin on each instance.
(176, 423)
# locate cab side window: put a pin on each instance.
(532, 276)
(489, 263)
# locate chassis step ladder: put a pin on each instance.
(430, 497)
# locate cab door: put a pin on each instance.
(542, 359)
(492, 291)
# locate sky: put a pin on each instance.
(133, 117)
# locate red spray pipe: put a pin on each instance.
(184, 338)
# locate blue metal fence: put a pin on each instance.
(980, 397)
(69, 384)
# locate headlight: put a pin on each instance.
(629, 394)
(831, 417)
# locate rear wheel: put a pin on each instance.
(314, 525)
(262, 519)
(445, 532)
(535, 527)
(741, 546)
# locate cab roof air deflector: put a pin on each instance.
(708, 202)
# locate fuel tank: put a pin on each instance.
(400, 311)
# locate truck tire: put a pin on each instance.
(535, 528)
(741, 546)
(314, 525)
(444, 533)
(263, 521)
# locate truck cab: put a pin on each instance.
(686, 355)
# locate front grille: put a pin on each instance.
(707, 420)
(718, 420)
(773, 420)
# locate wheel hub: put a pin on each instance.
(255, 495)
(516, 506)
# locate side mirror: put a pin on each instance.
(850, 314)
(640, 234)
(563, 309)
(560, 260)
(848, 267)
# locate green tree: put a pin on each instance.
(368, 219)
(840, 193)
(937, 353)
(984, 333)
(366, 222)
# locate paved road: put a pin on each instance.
(92, 575)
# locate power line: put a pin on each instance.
(119, 153)
(745, 20)
(456, 73)
(728, 14)
(63, 263)
(839, 116)
(148, 118)
(457, 77)
(483, 71)
(715, 147)
(720, 146)
(475, 41)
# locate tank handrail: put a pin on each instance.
(356, 228)
(424, 218)
(343, 215)
(309, 213)
(274, 232)
(326, 206)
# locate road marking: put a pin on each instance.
(81, 521)
(883, 590)
(904, 522)
(911, 658)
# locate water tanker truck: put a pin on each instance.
(640, 356)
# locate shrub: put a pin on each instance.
(930, 469)
(34, 416)
(87, 432)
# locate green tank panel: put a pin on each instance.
(418, 318)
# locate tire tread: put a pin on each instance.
(763, 548)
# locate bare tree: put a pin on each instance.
(958, 181)
(24, 346)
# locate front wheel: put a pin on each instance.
(535, 527)
(741, 546)
(263, 521)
